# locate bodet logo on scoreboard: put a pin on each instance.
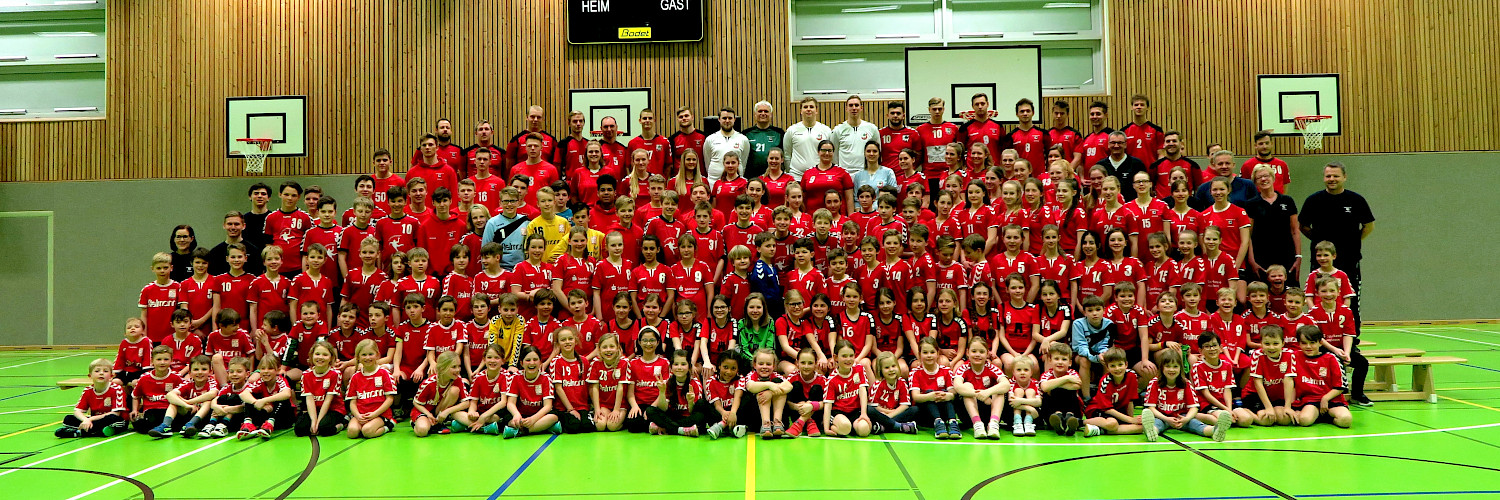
(635, 33)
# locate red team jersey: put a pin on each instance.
(1031, 145)
(1272, 374)
(982, 378)
(935, 138)
(324, 387)
(531, 393)
(890, 396)
(1217, 380)
(236, 345)
(159, 301)
(133, 356)
(892, 141)
(1316, 377)
(487, 390)
(1095, 147)
(1171, 401)
(611, 380)
(648, 377)
(111, 400)
(152, 390)
(843, 389)
(923, 381)
(287, 230)
(1117, 396)
(1143, 141)
(1335, 325)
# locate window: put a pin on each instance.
(843, 47)
(52, 60)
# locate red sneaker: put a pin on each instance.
(265, 430)
(247, 431)
(795, 429)
(812, 429)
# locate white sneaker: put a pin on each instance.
(994, 429)
(739, 431)
(1148, 421)
(1221, 427)
(1030, 428)
(979, 431)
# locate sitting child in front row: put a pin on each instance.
(1320, 382)
(1272, 385)
(193, 396)
(1172, 403)
(1025, 396)
(1112, 410)
(1061, 387)
(101, 408)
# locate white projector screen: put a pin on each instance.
(1007, 74)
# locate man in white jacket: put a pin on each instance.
(802, 138)
(850, 137)
(725, 140)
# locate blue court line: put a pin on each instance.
(26, 394)
(1334, 495)
(517, 473)
(1479, 367)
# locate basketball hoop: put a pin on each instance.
(255, 152)
(597, 134)
(1312, 127)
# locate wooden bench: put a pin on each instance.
(1384, 378)
(1421, 377)
(74, 382)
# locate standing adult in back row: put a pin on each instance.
(1342, 217)
(802, 139)
(850, 137)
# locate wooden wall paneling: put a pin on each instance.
(378, 73)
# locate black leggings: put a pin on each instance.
(328, 426)
(934, 410)
(888, 424)
(1060, 401)
(97, 428)
(152, 418)
(575, 425)
(1359, 368)
(280, 411)
(700, 416)
(749, 412)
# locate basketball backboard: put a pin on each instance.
(279, 118)
(1285, 97)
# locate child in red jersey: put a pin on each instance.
(268, 292)
(1171, 402)
(326, 233)
(1112, 410)
(1325, 253)
(569, 373)
(424, 285)
(651, 311)
(1296, 316)
(371, 394)
(346, 337)
(530, 398)
(715, 333)
(101, 408)
(322, 395)
(803, 277)
(888, 330)
(949, 328)
(1162, 329)
(1161, 270)
(932, 391)
(266, 400)
(287, 226)
(726, 394)
(983, 388)
(608, 378)
(1259, 315)
(918, 317)
(855, 326)
(148, 400)
(687, 330)
(1191, 321)
(681, 406)
(623, 326)
(1320, 382)
(492, 280)
(358, 227)
(795, 332)
(1013, 260)
(1340, 331)
(920, 262)
(1021, 324)
(442, 402)
(232, 290)
(648, 371)
(381, 332)
(303, 334)
(588, 327)
(229, 341)
(1024, 398)
(575, 267)
(1090, 274)
(194, 397)
(196, 293)
(133, 358)
(651, 277)
(446, 334)
(459, 285)
(890, 398)
(1273, 382)
(184, 342)
(805, 395)
(1131, 334)
(1056, 317)
(1233, 338)
(227, 409)
(159, 299)
(693, 277)
(410, 359)
(613, 277)
(1221, 271)
(846, 398)
(1061, 388)
(490, 384)
(869, 271)
(1213, 378)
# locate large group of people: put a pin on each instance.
(816, 280)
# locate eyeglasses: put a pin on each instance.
(794, 303)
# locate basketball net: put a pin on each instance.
(255, 152)
(1312, 128)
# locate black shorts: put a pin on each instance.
(1132, 357)
(851, 415)
(1252, 403)
(127, 376)
(1331, 405)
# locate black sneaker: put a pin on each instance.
(1362, 402)
(67, 431)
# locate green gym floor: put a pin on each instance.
(1395, 450)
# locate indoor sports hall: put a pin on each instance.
(1088, 193)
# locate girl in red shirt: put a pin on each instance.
(623, 326)
(1055, 318)
(530, 398)
(489, 388)
(948, 327)
(608, 378)
(846, 397)
(1090, 273)
(891, 398)
(648, 372)
(1022, 327)
(888, 333)
(1123, 267)
(569, 373)
(681, 407)
(716, 335)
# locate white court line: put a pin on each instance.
(1476, 330)
(55, 457)
(1169, 443)
(44, 360)
(151, 468)
(1446, 337)
(36, 409)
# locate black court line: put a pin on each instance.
(38, 391)
(897, 458)
(1247, 477)
(146, 492)
(969, 495)
(1425, 426)
(19, 455)
(297, 480)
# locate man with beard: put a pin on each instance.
(896, 136)
(1161, 170)
(484, 138)
(447, 152)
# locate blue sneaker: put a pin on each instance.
(160, 431)
(189, 430)
(955, 429)
(491, 428)
(556, 428)
(510, 432)
(940, 429)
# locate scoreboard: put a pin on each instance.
(634, 21)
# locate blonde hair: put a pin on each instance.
(101, 362)
(445, 362)
(161, 258)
